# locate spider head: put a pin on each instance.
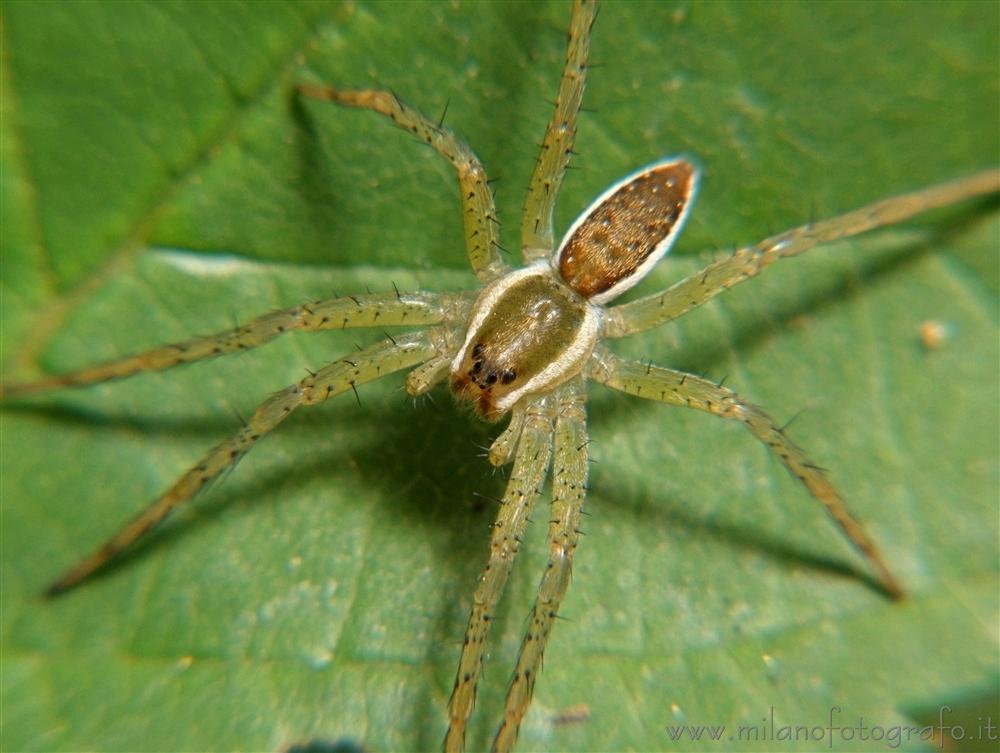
(528, 332)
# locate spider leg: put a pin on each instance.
(691, 292)
(530, 465)
(371, 363)
(375, 309)
(482, 230)
(557, 146)
(688, 390)
(569, 487)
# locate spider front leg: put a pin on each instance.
(482, 229)
(371, 363)
(693, 291)
(557, 146)
(569, 487)
(531, 462)
(688, 390)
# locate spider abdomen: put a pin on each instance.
(528, 332)
(616, 241)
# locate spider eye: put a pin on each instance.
(629, 228)
(508, 376)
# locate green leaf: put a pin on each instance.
(159, 180)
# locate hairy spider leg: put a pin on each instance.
(531, 462)
(372, 310)
(691, 292)
(537, 239)
(569, 487)
(372, 363)
(690, 391)
(482, 229)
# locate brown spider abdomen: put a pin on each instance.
(626, 230)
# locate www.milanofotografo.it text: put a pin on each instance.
(837, 729)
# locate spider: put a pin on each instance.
(488, 347)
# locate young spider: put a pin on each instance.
(578, 25)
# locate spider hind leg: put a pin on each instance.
(537, 239)
(482, 230)
(700, 287)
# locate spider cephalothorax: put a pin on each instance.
(527, 330)
(524, 344)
